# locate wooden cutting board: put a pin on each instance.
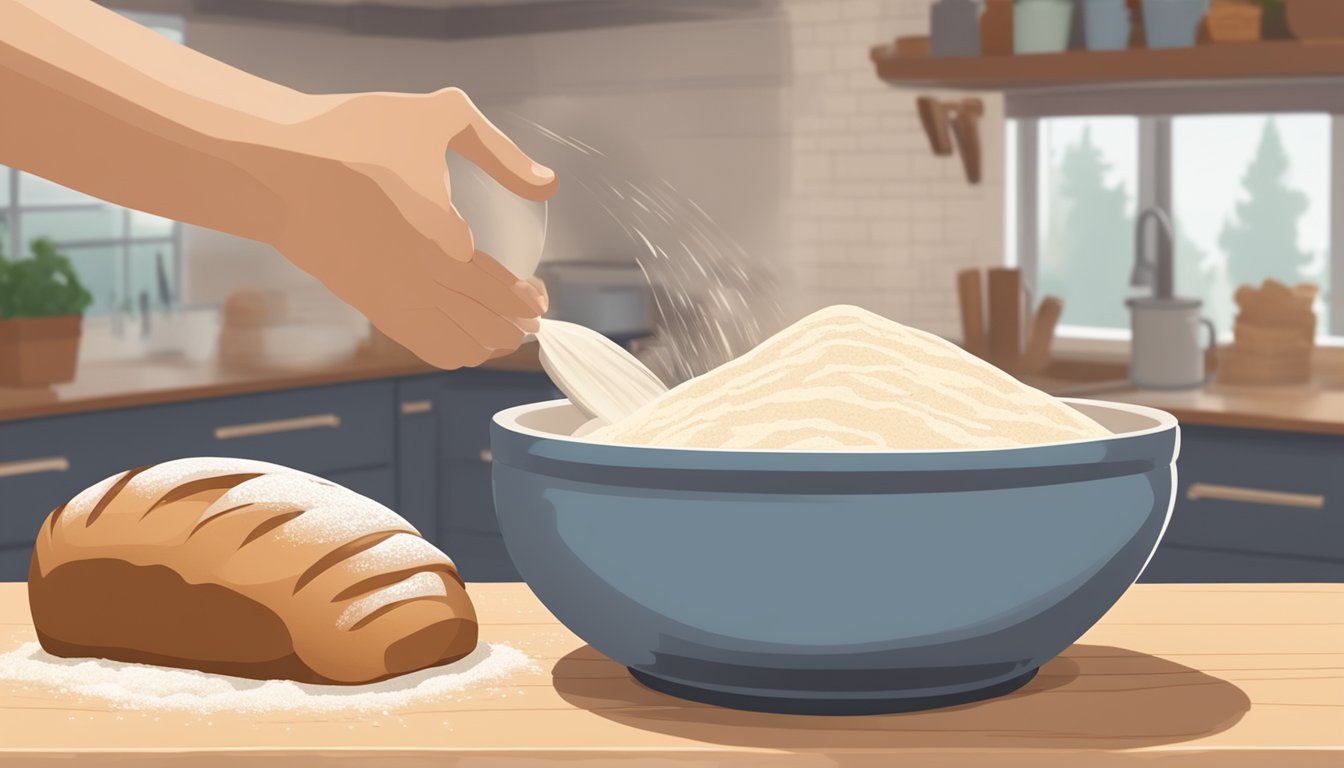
(1215, 676)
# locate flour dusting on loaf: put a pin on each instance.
(846, 379)
(245, 568)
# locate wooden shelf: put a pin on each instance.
(1276, 60)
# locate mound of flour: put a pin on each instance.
(846, 379)
(147, 687)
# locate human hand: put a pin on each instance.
(369, 212)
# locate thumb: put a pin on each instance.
(481, 142)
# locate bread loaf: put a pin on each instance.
(245, 568)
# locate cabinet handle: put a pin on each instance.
(279, 425)
(34, 466)
(487, 456)
(1254, 496)
(417, 406)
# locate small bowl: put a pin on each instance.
(831, 583)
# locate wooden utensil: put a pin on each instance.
(945, 121)
(1036, 357)
(933, 116)
(1005, 316)
(966, 130)
(598, 376)
(970, 295)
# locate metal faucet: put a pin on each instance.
(1158, 272)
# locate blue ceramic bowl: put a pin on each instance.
(831, 582)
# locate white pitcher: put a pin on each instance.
(1165, 348)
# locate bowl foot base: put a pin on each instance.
(839, 704)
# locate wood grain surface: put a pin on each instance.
(1269, 59)
(1188, 675)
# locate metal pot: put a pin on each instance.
(612, 298)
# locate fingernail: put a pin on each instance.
(529, 295)
(542, 172)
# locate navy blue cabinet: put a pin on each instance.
(344, 432)
(419, 445)
(1255, 505)
(464, 403)
(1251, 505)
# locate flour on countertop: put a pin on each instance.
(147, 687)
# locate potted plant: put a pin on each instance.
(41, 306)
(1273, 20)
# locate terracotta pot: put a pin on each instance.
(996, 28)
(39, 351)
(1315, 20)
(1232, 23)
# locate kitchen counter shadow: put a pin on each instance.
(1092, 696)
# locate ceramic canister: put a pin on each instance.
(1166, 351)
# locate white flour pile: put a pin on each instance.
(147, 687)
(844, 379)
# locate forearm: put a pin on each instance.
(101, 104)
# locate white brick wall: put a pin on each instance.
(873, 217)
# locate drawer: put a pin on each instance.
(319, 430)
(1175, 564)
(479, 557)
(469, 495)
(45, 462)
(471, 404)
(1261, 492)
(418, 453)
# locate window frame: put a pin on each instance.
(1154, 188)
(174, 27)
(17, 245)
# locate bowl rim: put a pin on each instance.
(507, 419)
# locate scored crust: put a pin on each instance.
(245, 568)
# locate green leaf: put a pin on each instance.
(43, 286)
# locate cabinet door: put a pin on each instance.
(1260, 492)
(467, 527)
(318, 430)
(344, 432)
(44, 462)
(418, 452)
(14, 562)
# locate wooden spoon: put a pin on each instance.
(598, 376)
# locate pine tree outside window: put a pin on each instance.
(1250, 196)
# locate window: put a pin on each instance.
(1088, 182)
(1249, 195)
(116, 251)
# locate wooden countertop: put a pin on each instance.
(1316, 408)
(1184, 675)
(1297, 408)
(121, 384)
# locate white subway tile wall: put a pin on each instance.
(873, 217)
